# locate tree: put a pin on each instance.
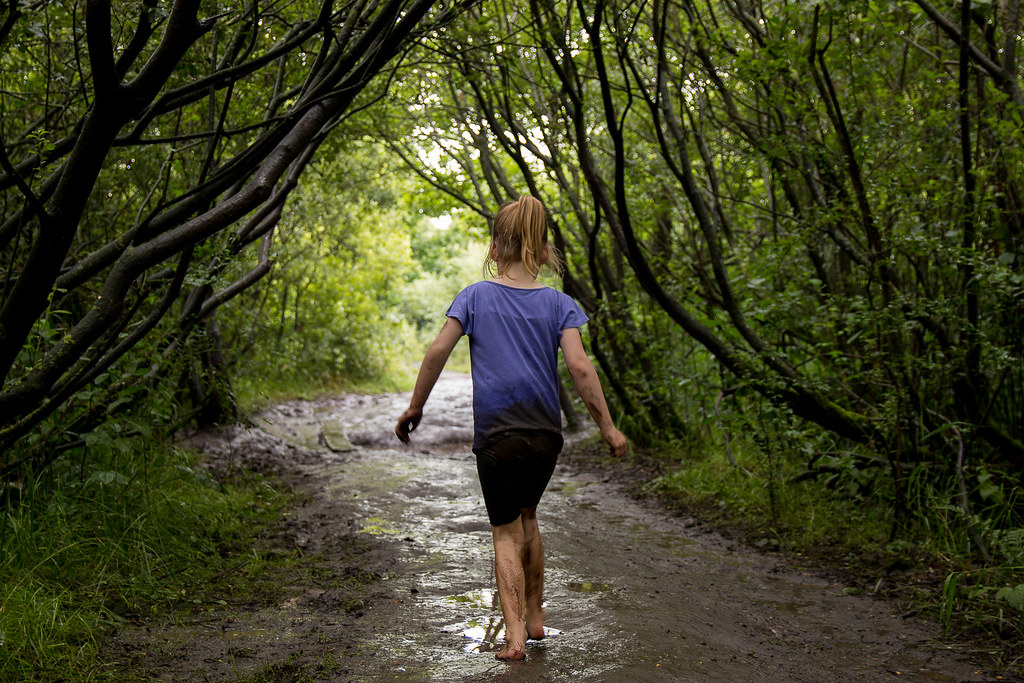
(144, 146)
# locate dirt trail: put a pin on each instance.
(633, 594)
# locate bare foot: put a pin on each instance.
(512, 652)
(515, 644)
(535, 626)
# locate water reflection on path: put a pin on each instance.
(630, 597)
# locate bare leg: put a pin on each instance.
(533, 570)
(509, 541)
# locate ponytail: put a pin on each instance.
(520, 233)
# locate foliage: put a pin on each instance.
(361, 282)
(145, 148)
(113, 532)
(800, 255)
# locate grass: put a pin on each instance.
(103, 541)
(257, 392)
(797, 516)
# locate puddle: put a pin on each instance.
(485, 598)
(632, 595)
(487, 634)
(588, 587)
(377, 527)
(568, 488)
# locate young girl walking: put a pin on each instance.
(515, 327)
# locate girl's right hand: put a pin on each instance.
(407, 423)
(616, 440)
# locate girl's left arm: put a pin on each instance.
(430, 370)
(584, 376)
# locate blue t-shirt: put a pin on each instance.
(513, 346)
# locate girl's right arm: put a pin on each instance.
(584, 376)
(430, 370)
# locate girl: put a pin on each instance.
(515, 327)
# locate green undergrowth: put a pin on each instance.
(773, 515)
(257, 389)
(255, 392)
(113, 539)
(926, 558)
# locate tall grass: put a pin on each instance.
(108, 536)
(758, 495)
(255, 391)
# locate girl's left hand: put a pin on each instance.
(616, 441)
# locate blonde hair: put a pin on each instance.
(520, 233)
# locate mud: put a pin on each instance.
(399, 580)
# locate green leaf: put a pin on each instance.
(106, 478)
(1013, 595)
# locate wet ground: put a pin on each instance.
(632, 594)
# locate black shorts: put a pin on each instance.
(514, 469)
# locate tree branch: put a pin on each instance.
(101, 50)
(13, 14)
(1005, 79)
(30, 197)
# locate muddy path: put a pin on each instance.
(400, 586)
